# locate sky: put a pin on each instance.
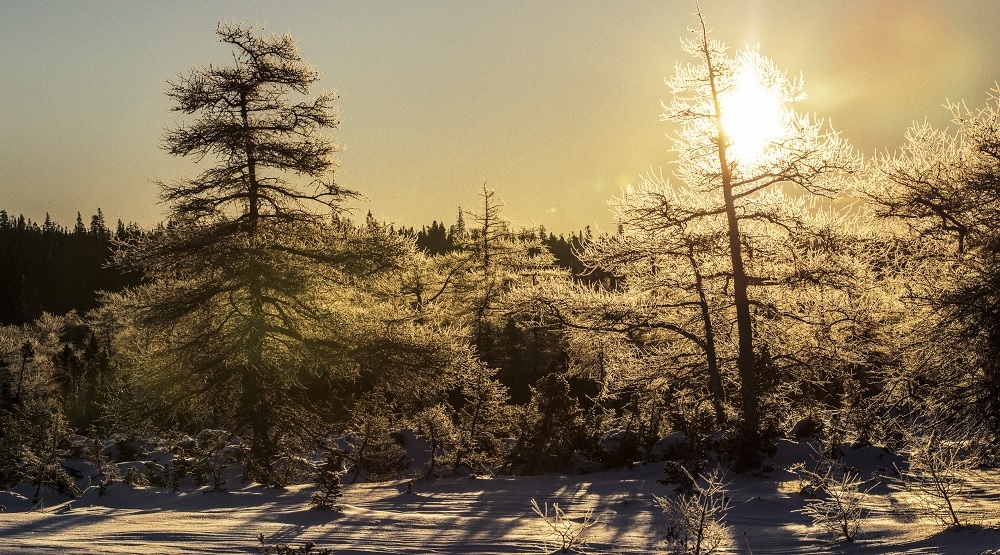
(554, 104)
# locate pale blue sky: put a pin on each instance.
(555, 104)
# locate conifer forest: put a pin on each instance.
(773, 316)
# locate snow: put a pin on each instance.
(485, 515)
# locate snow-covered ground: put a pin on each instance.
(486, 515)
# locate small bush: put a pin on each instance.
(329, 482)
(157, 474)
(838, 505)
(695, 520)
(935, 476)
(135, 478)
(308, 548)
(563, 534)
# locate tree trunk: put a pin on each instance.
(254, 403)
(749, 387)
(714, 375)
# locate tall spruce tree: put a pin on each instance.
(244, 280)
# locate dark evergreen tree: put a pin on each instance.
(79, 228)
(97, 226)
(458, 230)
(552, 428)
(330, 486)
(243, 276)
(50, 269)
(48, 226)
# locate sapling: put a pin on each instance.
(934, 477)
(838, 505)
(329, 482)
(568, 534)
(695, 520)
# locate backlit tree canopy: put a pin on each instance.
(743, 174)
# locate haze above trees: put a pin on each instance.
(735, 301)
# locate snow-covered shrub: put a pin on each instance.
(157, 474)
(376, 453)
(135, 478)
(209, 455)
(935, 478)
(838, 503)
(437, 426)
(696, 520)
(563, 534)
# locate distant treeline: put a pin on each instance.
(57, 269)
(51, 268)
(440, 239)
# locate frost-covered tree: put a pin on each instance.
(746, 153)
(715, 269)
(244, 302)
(495, 259)
(674, 272)
(944, 187)
(34, 434)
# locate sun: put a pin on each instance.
(753, 116)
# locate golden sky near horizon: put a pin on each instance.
(554, 103)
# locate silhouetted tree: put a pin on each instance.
(245, 276)
(52, 269)
(79, 228)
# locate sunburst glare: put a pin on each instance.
(753, 116)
